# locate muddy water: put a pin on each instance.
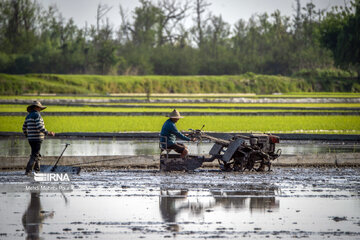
(103, 147)
(314, 203)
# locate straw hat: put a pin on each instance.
(35, 104)
(175, 114)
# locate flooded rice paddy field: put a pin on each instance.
(311, 203)
(14, 147)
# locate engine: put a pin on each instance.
(264, 142)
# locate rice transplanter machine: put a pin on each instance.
(233, 152)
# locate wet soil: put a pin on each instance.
(312, 203)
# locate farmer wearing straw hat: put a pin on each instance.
(34, 130)
(170, 131)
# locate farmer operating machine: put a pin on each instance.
(233, 152)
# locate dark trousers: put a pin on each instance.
(35, 147)
(34, 161)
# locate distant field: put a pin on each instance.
(262, 105)
(154, 96)
(225, 84)
(308, 105)
(99, 84)
(184, 108)
(275, 124)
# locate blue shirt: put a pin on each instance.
(170, 131)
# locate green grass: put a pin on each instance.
(275, 124)
(294, 86)
(312, 95)
(142, 96)
(22, 108)
(226, 84)
(84, 84)
(308, 105)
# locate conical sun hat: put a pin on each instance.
(35, 104)
(175, 114)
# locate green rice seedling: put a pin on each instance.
(275, 124)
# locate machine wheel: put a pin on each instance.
(261, 160)
(255, 161)
(226, 167)
(239, 163)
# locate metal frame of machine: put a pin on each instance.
(233, 152)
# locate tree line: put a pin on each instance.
(153, 39)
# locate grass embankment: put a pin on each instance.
(275, 124)
(261, 105)
(156, 96)
(186, 108)
(330, 80)
(87, 84)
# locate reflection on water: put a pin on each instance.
(255, 201)
(33, 217)
(313, 203)
(106, 147)
(170, 205)
(175, 202)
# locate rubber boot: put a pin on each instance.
(30, 165)
(37, 163)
